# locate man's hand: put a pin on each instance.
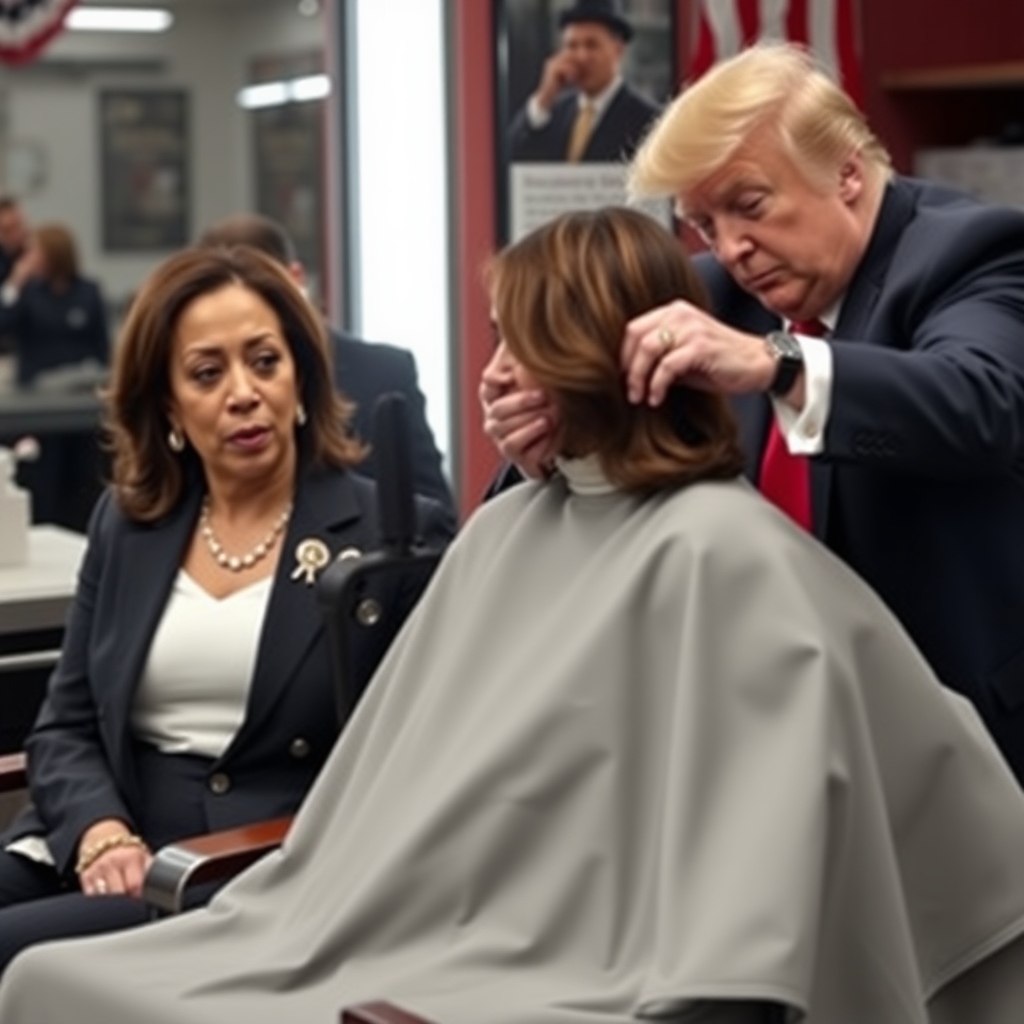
(559, 73)
(680, 343)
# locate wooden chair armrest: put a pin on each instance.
(208, 858)
(13, 774)
(380, 1013)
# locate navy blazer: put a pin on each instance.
(363, 371)
(83, 764)
(920, 487)
(616, 135)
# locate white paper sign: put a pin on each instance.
(540, 192)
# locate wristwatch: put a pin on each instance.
(789, 361)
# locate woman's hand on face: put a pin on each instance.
(521, 424)
(680, 343)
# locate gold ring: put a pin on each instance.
(667, 339)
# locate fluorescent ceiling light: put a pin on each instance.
(276, 94)
(119, 19)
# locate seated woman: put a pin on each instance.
(194, 689)
(644, 750)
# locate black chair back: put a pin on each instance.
(366, 599)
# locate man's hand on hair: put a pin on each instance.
(679, 343)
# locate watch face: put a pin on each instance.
(785, 345)
(790, 356)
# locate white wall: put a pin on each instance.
(402, 248)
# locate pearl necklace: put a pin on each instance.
(236, 563)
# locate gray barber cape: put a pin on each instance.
(625, 749)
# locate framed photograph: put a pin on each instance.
(144, 169)
(578, 84)
(288, 160)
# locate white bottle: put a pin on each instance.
(15, 515)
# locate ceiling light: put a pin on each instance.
(276, 94)
(119, 19)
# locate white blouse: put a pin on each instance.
(192, 696)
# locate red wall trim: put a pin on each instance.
(476, 234)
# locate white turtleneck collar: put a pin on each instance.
(585, 475)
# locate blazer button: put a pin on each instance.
(368, 612)
(299, 748)
(219, 783)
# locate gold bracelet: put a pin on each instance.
(92, 853)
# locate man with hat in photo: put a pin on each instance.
(582, 110)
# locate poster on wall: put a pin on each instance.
(144, 169)
(579, 83)
(289, 155)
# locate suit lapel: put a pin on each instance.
(326, 509)
(148, 563)
(855, 316)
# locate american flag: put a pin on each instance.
(26, 26)
(827, 27)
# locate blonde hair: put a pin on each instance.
(776, 87)
(563, 296)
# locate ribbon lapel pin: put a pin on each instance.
(312, 555)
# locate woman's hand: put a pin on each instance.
(113, 860)
(521, 424)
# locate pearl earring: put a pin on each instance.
(300, 415)
(175, 441)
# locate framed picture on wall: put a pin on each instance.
(144, 155)
(578, 84)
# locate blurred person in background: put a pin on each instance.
(57, 316)
(17, 259)
(58, 322)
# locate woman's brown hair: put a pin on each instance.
(60, 255)
(562, 297)
(149, 478)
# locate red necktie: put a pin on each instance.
(785, 478)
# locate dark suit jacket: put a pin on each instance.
(615, 137)
(363, 372)
(920, 487)
(921, 484)
(83, 764)
(56, 328)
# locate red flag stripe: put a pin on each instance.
(828, 27)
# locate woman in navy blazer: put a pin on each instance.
(193, 690)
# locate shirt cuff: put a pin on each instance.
(536, 115)
(804, 430)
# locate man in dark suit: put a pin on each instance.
(582, 110)
(19, 261)
(363, 371)
(898, 438)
